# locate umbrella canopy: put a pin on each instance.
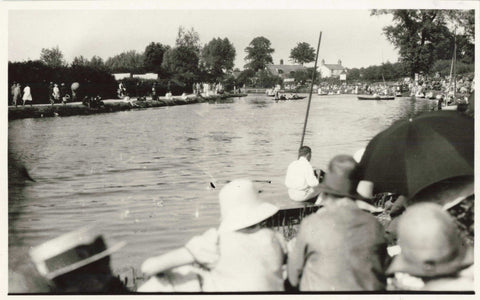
(413, 154)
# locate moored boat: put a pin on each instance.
(375, 97)
(295, 97)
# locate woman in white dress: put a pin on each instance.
(27, 95)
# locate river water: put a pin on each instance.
(143, 176)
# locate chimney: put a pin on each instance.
(339, 62)
(323, 61)
(281, 61)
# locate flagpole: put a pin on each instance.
(311, 89)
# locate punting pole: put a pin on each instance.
(311, 89)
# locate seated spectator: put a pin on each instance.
(240, 255)
(78, 262)
(432, 256)
(340, 247)
(300, 180)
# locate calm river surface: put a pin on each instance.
(144, 175)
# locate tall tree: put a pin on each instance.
(181, 63)
(154, 57)
(52, 57)
(129, 61)
(464, 20)
(188, 38)
(96, 62)
(80, 61)
(302, 53)
(422, 37)
(259, 54)
(217, 57)
(413, 34)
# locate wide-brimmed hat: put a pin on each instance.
(240, 206)
(71, 251)
(430, 243)
(341, 179)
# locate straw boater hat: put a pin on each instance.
(70, 251)
(341, 179)
(430, 243)
(240, 206)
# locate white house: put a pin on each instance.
(146, 76)
(120, 76)
(331, 70)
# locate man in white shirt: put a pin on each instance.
(300, 180)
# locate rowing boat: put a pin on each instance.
(294, 98)
(376, 97)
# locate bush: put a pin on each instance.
(443, 67)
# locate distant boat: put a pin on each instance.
(419, 95)
(295, 97)
(375, 97)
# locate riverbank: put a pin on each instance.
(110, 105)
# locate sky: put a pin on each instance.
(352, 36)
(349, 35)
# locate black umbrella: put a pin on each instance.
(413, 154)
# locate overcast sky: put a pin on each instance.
(352, 35)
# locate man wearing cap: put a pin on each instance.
(340, 247)
(300, 180)
(433, 256)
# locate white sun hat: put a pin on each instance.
(240, 206)
(71, 251)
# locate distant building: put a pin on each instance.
(120, 76)
(331, 70)
(286, 72)
(153, 76)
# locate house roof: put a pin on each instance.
(334, 66)
(286, 69)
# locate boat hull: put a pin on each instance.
(376, 97)
(286, 99)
